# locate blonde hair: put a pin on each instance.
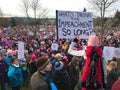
(75, 59)
(112, 65)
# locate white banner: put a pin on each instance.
(110, 52)
(20, 49)
(70, 24)
(117, 52)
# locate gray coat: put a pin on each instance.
(38, 82)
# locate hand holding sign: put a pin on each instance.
(75, 40)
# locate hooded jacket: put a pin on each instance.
(15, 76)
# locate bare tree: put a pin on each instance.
(24, 7)
(34, 6)
(102, 6)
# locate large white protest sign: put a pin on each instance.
(110, 52)
(70, 24)
(20, 50)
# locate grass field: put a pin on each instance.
(27, 87)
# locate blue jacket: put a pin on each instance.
(15, 76)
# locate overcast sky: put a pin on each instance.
(11, 6)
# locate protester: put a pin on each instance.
(31, 65)
(60, 74)
(112, 74)
(23, 64)
(45, 44)
(9, 56)
(15, 74)
(93, 41)
(3, 73)
(74, 69)
(39, 80)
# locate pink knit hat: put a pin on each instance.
(33, 57)
(93, 41)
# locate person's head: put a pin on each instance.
(75, 60)
(33, 57)
(93, 41)
(59, 66)
(9, 53)
(58, 57)
(43, 64)
(112, 65)
(14, 60)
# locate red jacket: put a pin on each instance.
(116, 85)
(86, 69)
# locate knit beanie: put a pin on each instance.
(93, 41)
(33, 57)
(42, 62)
(59, 65)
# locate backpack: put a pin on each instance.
(91, 81)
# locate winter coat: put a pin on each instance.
(15, 76)
(83, 53)
(3, 71)
(86, 69)
(32, 67)
(116, 85)
(74, 74)
(111, 78)
(38, 82)
(61, 77)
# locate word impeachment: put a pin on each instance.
(78, 24)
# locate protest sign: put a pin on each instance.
(20, 50)
(117, 52)
(110, 52)
(70, 24)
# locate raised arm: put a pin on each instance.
(75, 52)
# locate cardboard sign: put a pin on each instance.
(70, 24)
(20, 49)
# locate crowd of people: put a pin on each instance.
(51, 62)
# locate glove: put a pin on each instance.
(75, 40)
